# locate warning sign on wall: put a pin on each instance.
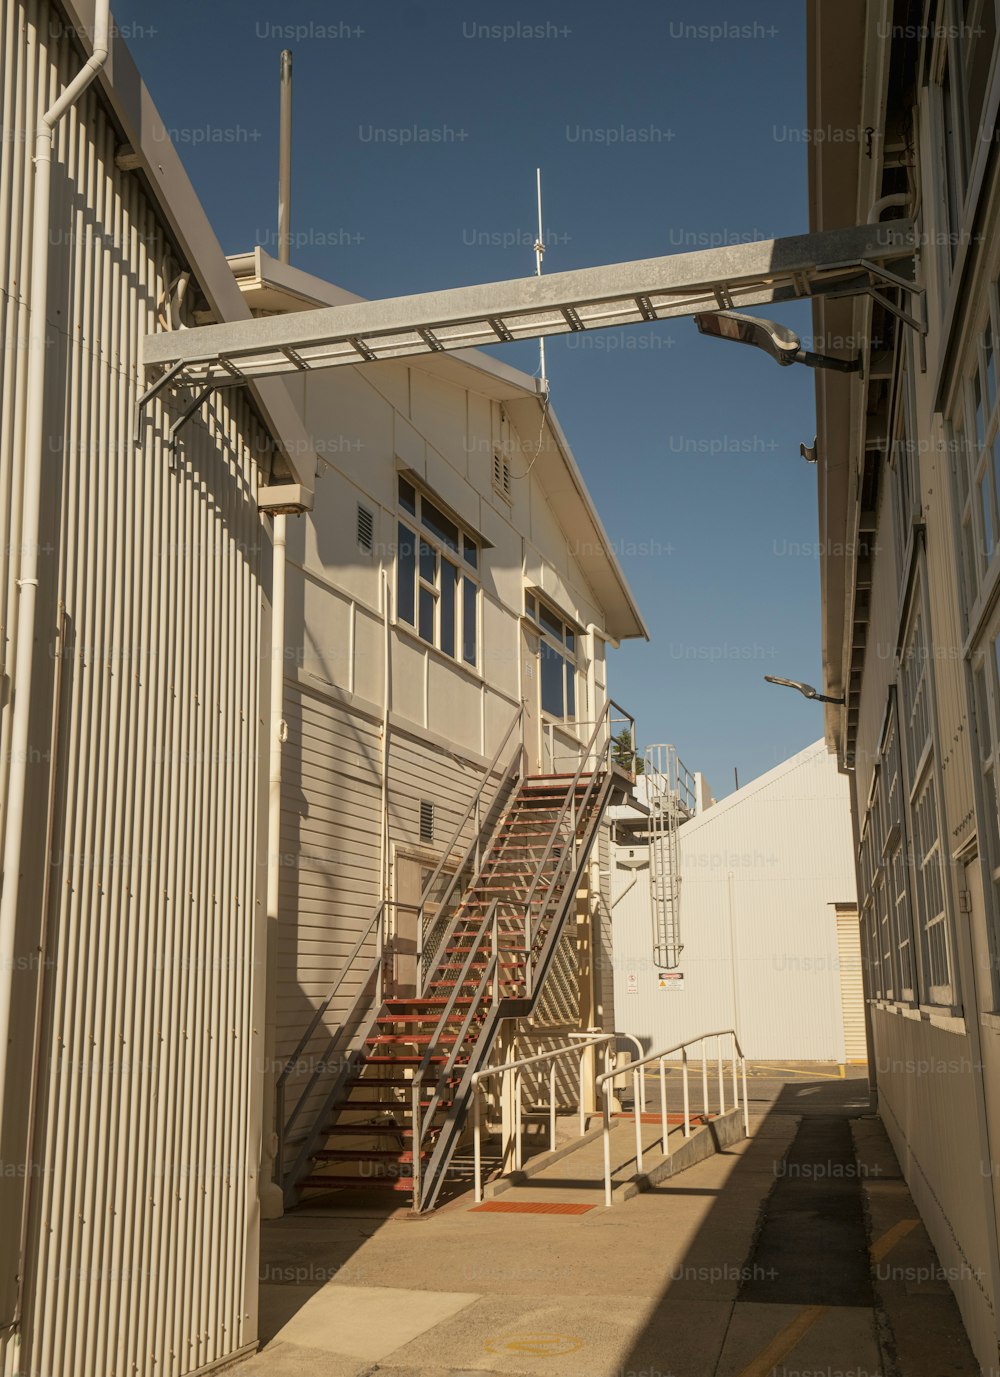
(670, 980)
(632, 982)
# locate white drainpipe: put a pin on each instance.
(31, 483)
(271, 1197)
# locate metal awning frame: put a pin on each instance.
(833, 262)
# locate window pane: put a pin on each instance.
(552, 681)
(961, 466)
(428, 562)
(471, 552)
(987, 509)
(407, 496)
(550, 623)
(449, 586)
(570, 639)
(982, 711)
(426, 628)
(529, 607)
(977, 388)
(406, 567)
(570, 691)
(438, 524)
(991, 368)
(469, 610)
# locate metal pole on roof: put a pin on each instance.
(285, 161)
(539, 254)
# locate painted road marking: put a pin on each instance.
(783, 1343)
(891, 1237)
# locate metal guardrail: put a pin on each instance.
(515, 1068)
(636, 1069)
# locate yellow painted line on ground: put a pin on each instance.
(891, 1237)
(783, 1343)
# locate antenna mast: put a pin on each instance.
(539, 254)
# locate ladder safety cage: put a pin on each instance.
(670, 796)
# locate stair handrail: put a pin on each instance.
(428, 888)
(419, 1127)
(569, 804)
(488, 1031)
(281, 1126)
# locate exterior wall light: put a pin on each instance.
(783, 345)
(806, 690)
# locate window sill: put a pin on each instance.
(937, 1015)
(410, 633)
(991, 1021)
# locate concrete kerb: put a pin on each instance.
(719, 1134)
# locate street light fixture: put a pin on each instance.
(806, 690)
(783, 344)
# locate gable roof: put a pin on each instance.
(276, 287)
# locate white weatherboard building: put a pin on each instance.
(768, 921)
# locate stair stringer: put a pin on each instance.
(448, 1137)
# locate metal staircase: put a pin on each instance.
(395, 1106)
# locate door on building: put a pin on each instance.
(852, 995)
(412, 873)
(531, 696)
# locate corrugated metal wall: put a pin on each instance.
(759, 875)
(142, 1175)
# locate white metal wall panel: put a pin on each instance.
(760, 872)
(142, 1172)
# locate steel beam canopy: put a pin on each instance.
(769, 270)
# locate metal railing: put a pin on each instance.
(618, 722)
(515, 1068)
(473, 853)
(541, 931)
(636, 1068)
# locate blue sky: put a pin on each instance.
(659, 128)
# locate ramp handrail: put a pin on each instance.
(551, 1057)
(636, 1070)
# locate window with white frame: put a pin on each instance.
(558, 657)
(974, 438)
(929, 888)
(895, 858)
(905, 470)
(986, 683)
(437, 589)
(965, 34)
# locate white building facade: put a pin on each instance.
(768, 921)
(908, 478)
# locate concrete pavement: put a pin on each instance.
(679, 1281)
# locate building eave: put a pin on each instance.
(153, 157)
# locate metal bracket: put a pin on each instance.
(193, 405)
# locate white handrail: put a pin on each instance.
(517, 1066)
(660, 1057)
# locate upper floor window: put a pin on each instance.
(558, 657)
(975, 443)
(965, 37)
(923, 813)
(437, 590)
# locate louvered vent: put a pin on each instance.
(426, 820)
(501, 474)
(366, 529)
